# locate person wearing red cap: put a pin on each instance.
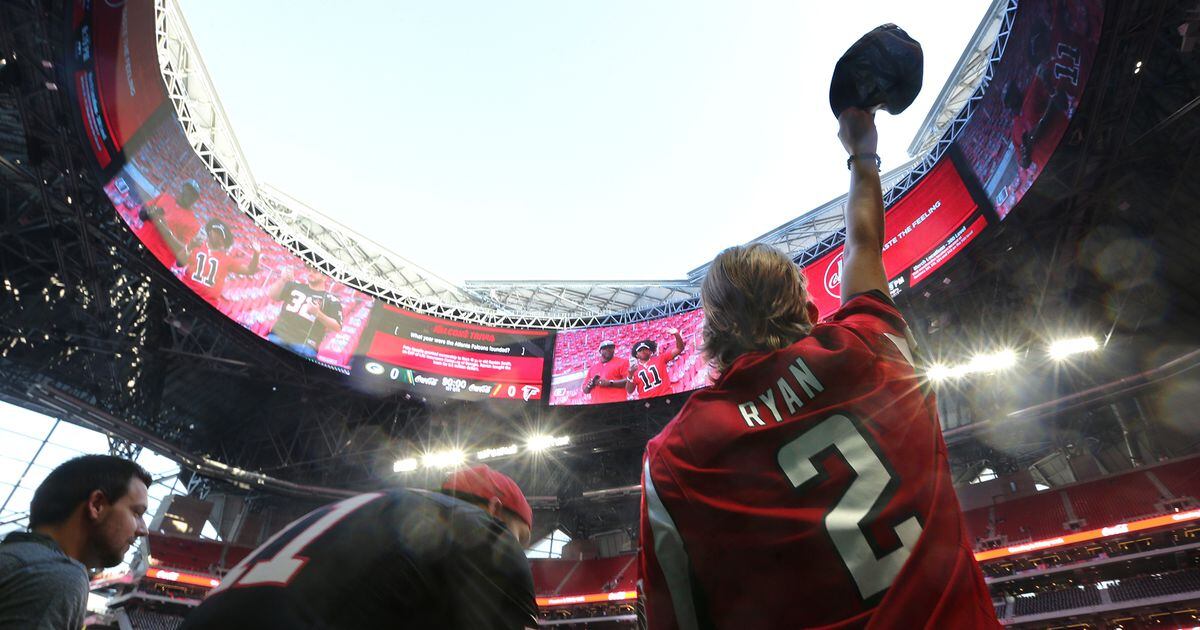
(406, 559)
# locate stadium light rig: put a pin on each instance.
(539, 443)
(1064, 348)
(408, 464)
(492, 453)
(444, 459)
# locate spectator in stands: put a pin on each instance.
(815, 459)
(309, 312)
(406, 558)
(85, 515)
(606, 380)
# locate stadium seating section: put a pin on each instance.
(1065, 599)
(1163, 584)
(189, 554)
(140, 619)
(580, 577)
(1121, 498)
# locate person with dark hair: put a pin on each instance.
(648, 369)
(85, 515)
(209, 260)
(809, 486)
(310, 311)
(606, 380)
(166, 219)
(406, 558)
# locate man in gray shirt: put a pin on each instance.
(86, 514)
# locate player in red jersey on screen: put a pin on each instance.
(168, 216)
(606, 380)
(208, 261)
(809, 486)
(648, 375)
(1042, 103)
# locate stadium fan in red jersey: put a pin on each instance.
(400, 559)
(208, 261)
(648, 374)
(169, 217)
(606, 380)
(809, 486)
(310, 311)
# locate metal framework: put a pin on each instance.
(367, 266)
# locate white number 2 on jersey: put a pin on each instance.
(858, 507)
(279, 569)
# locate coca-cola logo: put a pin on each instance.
(833, 277)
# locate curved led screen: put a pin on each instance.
(169, 198)
(180, 214)
(1034, 92)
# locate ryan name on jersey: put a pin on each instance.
(783, 395)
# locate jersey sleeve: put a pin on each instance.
(665, 588)
(874, 310)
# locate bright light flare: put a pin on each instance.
(1064, 348)
(938, 373)
(539, 443)
(407, 464)
(992, 362)
(444, 459)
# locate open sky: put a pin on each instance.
(551, 139)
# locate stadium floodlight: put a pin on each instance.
(492, 453)
(991, 362)
(938, 373)
(444, 459)
(1064, 348)
(408, 464)
(539, 443)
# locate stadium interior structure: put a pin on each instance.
(1078, 474)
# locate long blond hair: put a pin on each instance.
(754, 299)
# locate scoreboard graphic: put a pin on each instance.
(425, 354)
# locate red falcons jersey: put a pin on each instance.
(207, 270)
(651, 378)
(183, 225)
(809, 487)
(613, 370)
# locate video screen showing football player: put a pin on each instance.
(209, 259)
(310, 312)
(648, 373)
(169, 216)
(1041, 104)
(607, 378)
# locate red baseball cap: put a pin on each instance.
(483, 482)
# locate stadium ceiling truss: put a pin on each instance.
(360, 263)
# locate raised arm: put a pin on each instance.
(275, 291)
(178, 249)
(862, 261)
(679, 343)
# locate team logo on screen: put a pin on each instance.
(833, 276)
(374, 368)
(530, 391)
